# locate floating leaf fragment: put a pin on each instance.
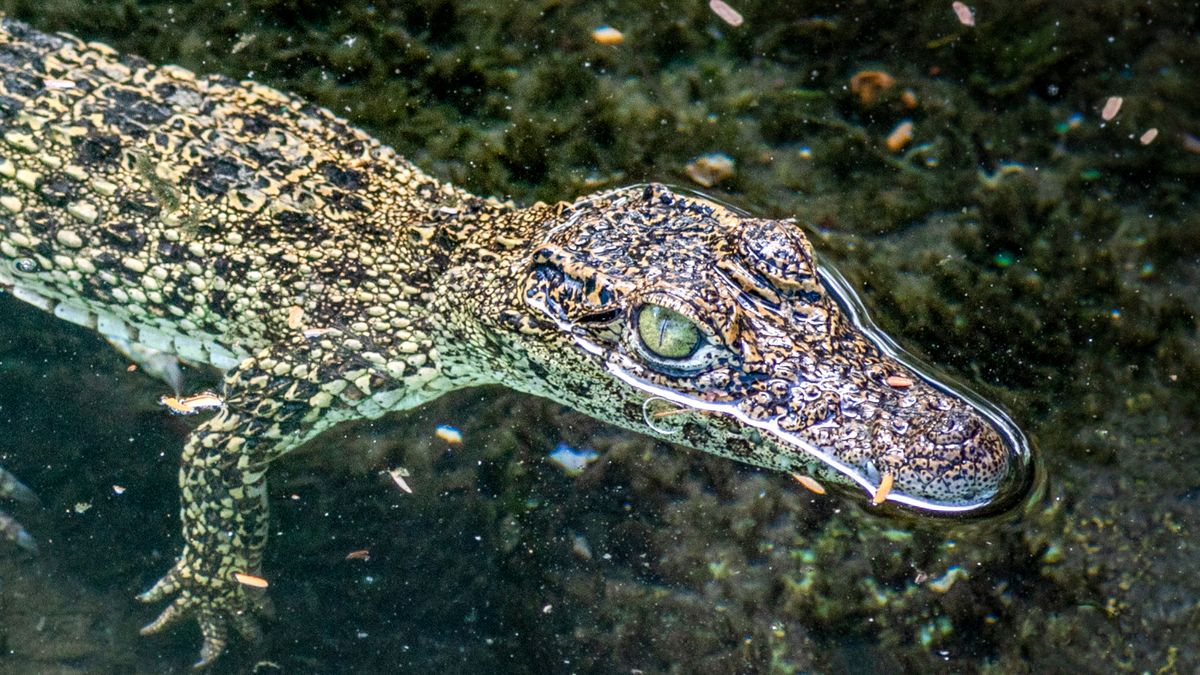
(449, 434)
(869, 84)
(243, 42)
(708, 170)
(810, 483)
(884, 489)
(295, 318)
(581, 548)
(901, 136)
(943, 583)
(607, 35)
(190, 405)
(728, 14)
(965, 16)
(398, 475)
(572, 461)
(250, 580)
(361, 554)
(1111, 107)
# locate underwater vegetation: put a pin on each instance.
(1014, 196)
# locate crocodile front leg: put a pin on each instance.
(274, 401)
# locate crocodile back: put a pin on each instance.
(195, 214)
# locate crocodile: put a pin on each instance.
(226, 223)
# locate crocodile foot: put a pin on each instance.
(217, 603)
(10, 529)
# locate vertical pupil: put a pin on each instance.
(667, 333)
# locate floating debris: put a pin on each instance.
(898, 381)
(992, 180)
(1072, 123)
(943, 583)
(175, 405)
(884, 489)
(1190, 143)
(250, 580)
(650, 417)
(59, 84)
(82, 507)
(708, 170)
(728, 14)
(1148, 137)
(398, 475)
(119, 489)
(869, 84)
(449, 434)
(1111, 107)
(243, 42)
(607, 35)
(901, 136)
(581, 548)
(810, 483)
(965, 16)
(361, 554)
(295, 318)
(572, 461)
(190, 405)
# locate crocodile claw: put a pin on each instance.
(11, 488)
(216, 604)
(13, 531)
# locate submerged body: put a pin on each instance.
(230, 224)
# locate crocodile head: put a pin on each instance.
(680, 318)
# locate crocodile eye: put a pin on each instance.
(667, 333)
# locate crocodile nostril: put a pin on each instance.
(954, 428)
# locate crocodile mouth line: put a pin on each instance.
(871, 487)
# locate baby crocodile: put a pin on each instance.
(230, 224)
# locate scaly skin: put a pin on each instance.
(231, 224)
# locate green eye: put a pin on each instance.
(667, 333)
